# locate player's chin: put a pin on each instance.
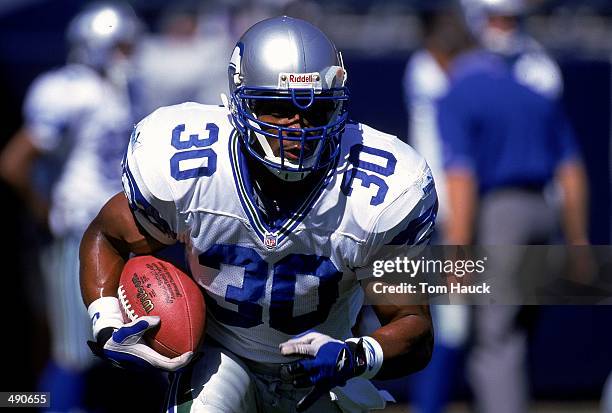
(293, 151)
(292, 155)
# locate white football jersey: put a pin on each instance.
(76, 114)
(185, 179)
(536, 70)
(424, 84)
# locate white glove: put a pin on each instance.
(306, 345)
(124, 344)
(328, 363)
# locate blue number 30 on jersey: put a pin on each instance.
(285, 273)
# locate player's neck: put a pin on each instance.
(275, 196)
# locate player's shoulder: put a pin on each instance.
(166, 125)
(537, 70)
(187, 111)
(174, 146)
(69, 86)
(372, 147)
(69, 76)
(383, 179)
(424, 76)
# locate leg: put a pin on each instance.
(216, 383)
(69, 323)
(431, 388)
(497, 363)
(496, 367)
(69, 326)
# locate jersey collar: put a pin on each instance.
(271, 235)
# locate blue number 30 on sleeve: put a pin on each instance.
(359, 166)
(202, 151)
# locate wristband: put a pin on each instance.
(105, 312)
(373, 353)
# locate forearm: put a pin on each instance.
(406, 342)
(100, 265)
(106, 245)
(572, 180)
(16, 161)
(462, 198)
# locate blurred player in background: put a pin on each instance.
(516, 184)
(78, 116)
(503, 143)
(284, 205)
(496, 24)
(425, 82)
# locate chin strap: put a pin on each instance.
(224, 100)
(289, 176)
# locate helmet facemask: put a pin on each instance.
(291, 153)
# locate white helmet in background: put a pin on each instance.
(504, 7)
(97, 33)
(495, 23)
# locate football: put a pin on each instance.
(151, 286)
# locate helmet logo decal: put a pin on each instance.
(234, 64)
(335, 76)
(299, 81)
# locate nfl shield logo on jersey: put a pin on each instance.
(270, 241)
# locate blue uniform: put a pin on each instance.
(514, 141)
(512, 138)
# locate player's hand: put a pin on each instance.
(328, 363)
(126, 347)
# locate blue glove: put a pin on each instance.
(331, 363)
(125, 347)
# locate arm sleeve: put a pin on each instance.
(405, 227)
(47, 112)
(148, 192)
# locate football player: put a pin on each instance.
(77, 118)
(283, 205)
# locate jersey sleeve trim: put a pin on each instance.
(415, 210)
(145, 213)
(418, 232)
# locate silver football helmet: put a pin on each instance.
(508, 40)
(94, 34)
(288, 65)
(502, 7)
